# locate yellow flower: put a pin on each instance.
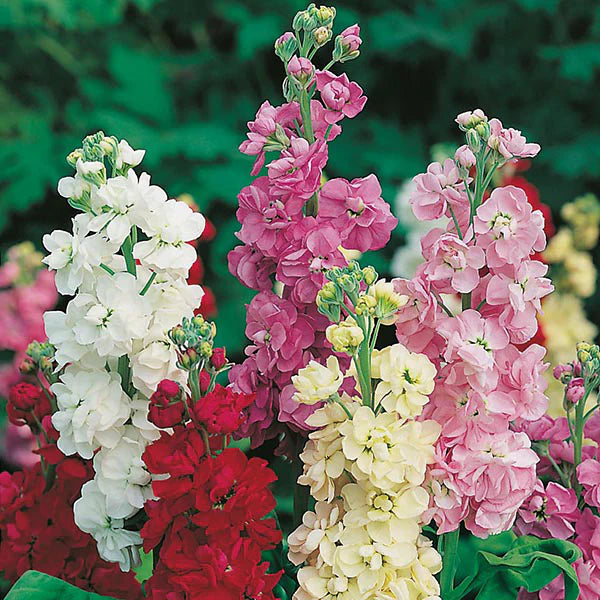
(388, 516)
(314, 540)
(362, 558)
(406, 380)
(322, 584)
(559, 246)
(564, 324)
(317, 382)
(387, 301)
(580, 273)
(345, 337)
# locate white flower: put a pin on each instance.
(115, 544)
(122, 475)
(74, 256)
(139, 419)
(92, 408)
(154, 362)
(113, 315)
(128, 156)
(323, 584)
(123, 202)
(317, 382)
(170, 227)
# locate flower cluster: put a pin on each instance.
(126, 263)
(365, 463)
(564, 502)
(207, 525)
(293, 227)
(484, 253)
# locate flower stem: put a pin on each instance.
(449, 544)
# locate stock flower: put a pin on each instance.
(264, 216)
(92, 407)
(122, 477)
(166, 405)
(451, 264)
(548, 513)
(115, 543)
(358, 212)
(169, 227)
(263, 126)
(123, 202)
(251, 267)
(220, 411)
(111, 316)
(320, 530)
(510, 143)
(465, 157)
(322, 584)
(588, 474)
(508, 229)
(435, 189)
(315, 382)
(126, 155)
(346, 336)
(74, 256)
(406, 380)
(298, 171)
(27, 405)
(153, 362)
(342, 97)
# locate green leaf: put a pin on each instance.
(34, 585)
(497, 568)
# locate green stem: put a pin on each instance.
(124, 372)
(306, 116)
(460, 235)
(449, 543)
(148, 283)
(466, 301)
(107, 269)
(194, 381)
(127, 249)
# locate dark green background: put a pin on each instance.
(181, 79)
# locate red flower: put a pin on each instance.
(27, 405)
(220, 411)
(218, 359)
(166, 408)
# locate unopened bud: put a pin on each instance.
(285, 46)
(369, 275)
(75, 156)
(322, 35)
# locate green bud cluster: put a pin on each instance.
(589, 357)
(194, 340)
(39, 357)
(342, 282)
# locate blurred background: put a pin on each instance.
(181, 79)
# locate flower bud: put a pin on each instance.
(473, 140)
(575, 390)
(322, 35)
(470, 119)
(74, 157)
(369, 275)
(27, 405)
(301, 69)
(464, 157)
(285, 46)
(583, 352)
(27, 366)
(218, 359)
(325, 15)
(563, 372)
(365, 305)
(205, 350)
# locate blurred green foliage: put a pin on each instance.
(181, 79)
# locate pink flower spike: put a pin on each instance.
(343, 98)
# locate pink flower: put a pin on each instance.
(437, 187)
(470, 117)
(264, 216)
(351, 38)
(522, 378)
(587, 528)
(251, 267)
(510, 143)
(548, 513)
(465, 157)
(303, 264)
(575, 390)
(497, 474)
(509, 229)
(473, 339)
(343, 98)
(260, 130)
(279, 334)
(588, 474)
(298, 171)
(289, 116)
(452, 265)
(588, 576)
(358, 212)
(519, 290)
